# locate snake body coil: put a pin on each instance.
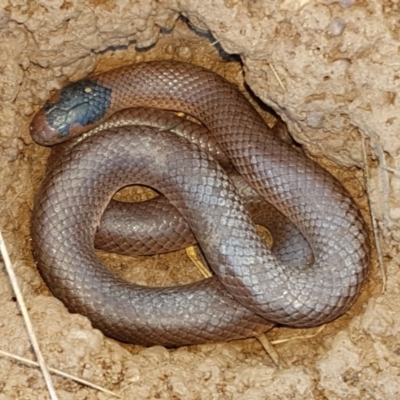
(252, 286)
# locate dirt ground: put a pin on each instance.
(329, 69)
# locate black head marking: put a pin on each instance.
(78, 104)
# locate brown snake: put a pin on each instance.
(155, 226)
(252, 286)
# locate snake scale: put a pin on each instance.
(252, 288)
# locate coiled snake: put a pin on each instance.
(253, 288)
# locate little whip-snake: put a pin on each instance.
(251, 286)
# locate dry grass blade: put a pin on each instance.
(301, 337)
(277, 77)
(198, 261)
(269, 348)
(384, 178)
(28, 323)
(61, 373)
(396, 172)
(373, 220)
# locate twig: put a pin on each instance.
(373, 220)
(61, 373)
(28, 323)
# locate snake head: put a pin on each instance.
(73, 110)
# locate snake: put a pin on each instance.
(252, 288)
(155, 226)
